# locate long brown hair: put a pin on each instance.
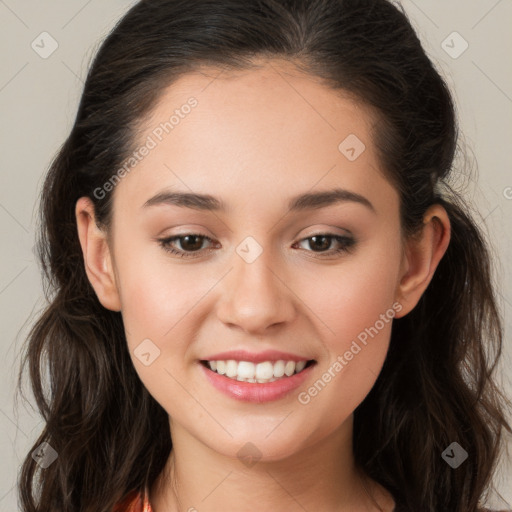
(436, 386)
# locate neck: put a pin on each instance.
(321, 476)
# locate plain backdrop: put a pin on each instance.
(468, 40)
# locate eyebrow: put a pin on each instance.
(307, 201)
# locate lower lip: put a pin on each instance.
(253, 391)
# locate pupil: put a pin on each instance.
(324, 245)
(194, 246)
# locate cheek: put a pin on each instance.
(155, 293)
(156, 299)
(351, 297)
(355, 306)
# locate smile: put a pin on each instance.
(261, 373)
(264, 381)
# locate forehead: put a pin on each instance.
(266, 132)
(273, 94)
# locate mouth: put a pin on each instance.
(257, 373)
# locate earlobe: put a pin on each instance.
(97, 257)
(421, 258)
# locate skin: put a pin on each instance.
(256, 139)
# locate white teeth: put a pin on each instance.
(300, 366)
(279, 369)
(267, 371)
(289, 368)
(231, 368)
(245, 370)
(221, 367)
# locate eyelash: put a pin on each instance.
(347, 244)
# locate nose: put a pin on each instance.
(255, 295)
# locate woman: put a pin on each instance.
(324, 341)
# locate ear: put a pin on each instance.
(421, 256)
(97, 258)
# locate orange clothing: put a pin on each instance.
(139, 502)
(134, 502)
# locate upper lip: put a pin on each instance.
(267, 355)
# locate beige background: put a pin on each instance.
(38, 101)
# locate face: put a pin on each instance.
(264, 275)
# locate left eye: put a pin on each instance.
(192, 243)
